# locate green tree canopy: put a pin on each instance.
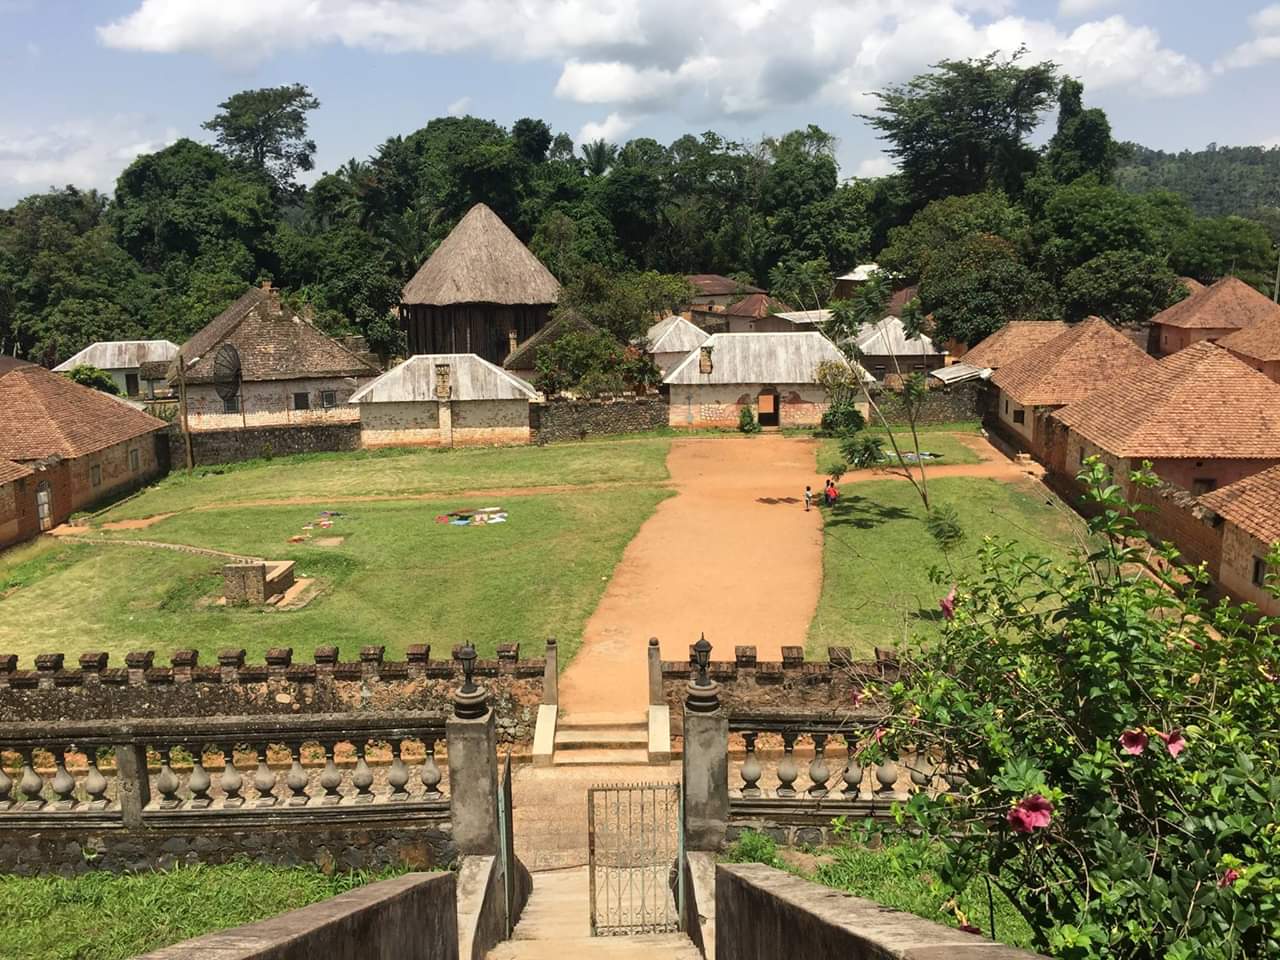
(266, 130)
(1122, 286)
(976, 286)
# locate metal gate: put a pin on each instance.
(634, 841)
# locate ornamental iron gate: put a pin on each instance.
(636, 851)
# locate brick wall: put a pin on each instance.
(960, 401)
(94, 690)
(720, 405)
(1239, 550)
(113, 468)
(558, 420)
(230, 446)
(1174, 515)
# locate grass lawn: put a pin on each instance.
(398, 578)
(98, 916)
(946, 443)
(403, 472)
(877, 553)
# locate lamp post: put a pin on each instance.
(702, 694)
(471, 701)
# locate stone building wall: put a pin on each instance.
(270, 403)
(558, 420)
(951, 404)
(95, 690)
(720, 405)
(461, 423)
(1239, 551)
(231, 446)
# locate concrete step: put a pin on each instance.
(602, 738)
(664, 946)
(588, 721)
(599, 757)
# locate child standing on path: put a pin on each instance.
(808, 497)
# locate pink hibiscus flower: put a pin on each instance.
(1031, 813)
(948, 604)
(1229, 877)
(1133, 742)
(1174, 741)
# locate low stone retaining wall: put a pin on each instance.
(97, 691)
(558, 420)
(407, 918)
(762, 914)
(960, 401)
(249, 443)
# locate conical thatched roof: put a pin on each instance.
(481, 261)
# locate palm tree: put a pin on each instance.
(599, 156)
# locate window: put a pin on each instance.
(328, 399)
(95, 475)
(302, 401)
(1082, 456)
(1006, 404)
(1259, 572)
(1019, 416)
(1202, 485)
(135, 460)
(231, 406)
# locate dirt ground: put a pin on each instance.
(732, 555)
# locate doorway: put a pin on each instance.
(44, 505)
(767, 408)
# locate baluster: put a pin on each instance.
(398, 775)
(362, 779)
(430, 774)
(199, 782)
(751, 769)
(167, 783)
(95, 784)
(887, 774)
(787, 769)
(331, 777)
(6, 789)
(63, 783)
(296, 781)
(264, 780)
(819, 772)
(31, 783)
(920, 774)
(231, 781)
(852, 774)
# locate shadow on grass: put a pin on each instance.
(862, 513)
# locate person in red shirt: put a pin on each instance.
(835, 493)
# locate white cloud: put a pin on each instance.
(1263, 47)
(88, 154)
(877, 166)
(1080, 8)
(458, 107)
(610, 129)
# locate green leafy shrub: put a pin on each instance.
(835, 469)
(1111, 742)
(863, 450)
(842, 418)
(88, 375)
(753, 847)
(747, 422)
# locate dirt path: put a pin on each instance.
(733, 555)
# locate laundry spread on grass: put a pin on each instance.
(473, 518)
(323, 521)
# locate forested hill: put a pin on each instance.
(1215, 182)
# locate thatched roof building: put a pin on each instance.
(481, 292)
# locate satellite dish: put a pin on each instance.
(226, 372)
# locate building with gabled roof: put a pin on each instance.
(1210, 314)
(132, 364)
(18, 519)
(482, 291)
(523, 360)
(672, 339)
(885, 350)
(292, 373)
(1067, 368)
(773, 374)
(447, 400)
(1015, 339)
(757, 313)
(711, 289)
(1250, 521)
(1258, 345)
(1201, 417)
(64, 446)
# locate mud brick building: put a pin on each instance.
(1212, 313)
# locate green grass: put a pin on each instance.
(402, 472)
(98, 916)
(399, 578)
(952, 449)
(877, 553)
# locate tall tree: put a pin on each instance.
(599, 156)
(266, 129)
(1082, 145)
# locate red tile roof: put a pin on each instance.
(1258, 341)
(1072, 365)
(43, 414)
(1012, 341)
(1230, 304)
(714, 285)
(1200, 403)
(757, 307)
(1192, 284)
(1250, 504)
(10, 471)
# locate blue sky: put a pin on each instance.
(91, 83)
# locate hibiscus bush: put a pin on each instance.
(1110, 741)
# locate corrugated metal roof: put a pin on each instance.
(759, 358)
(861, 272)
(675, 335)
(806, 318)
(960, 373)
(121, 354)
(470, 378)
(889, 338)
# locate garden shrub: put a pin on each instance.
(842, 418)
(747, 422)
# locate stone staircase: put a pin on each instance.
(601, 740)
(556, 925)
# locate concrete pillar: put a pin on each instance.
(551, 675)
(655, 674)
(473, 783)
(446, 422)
(133, 789)
(706, 779)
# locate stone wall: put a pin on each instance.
(720, 405)
(558, 420)
(232, 446)
(960, 401)
(459, 423)
(97, 691)
(271, 403)
(413, 917)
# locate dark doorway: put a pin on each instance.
(768, 406)
(131, 384)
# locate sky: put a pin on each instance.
(90, 84)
